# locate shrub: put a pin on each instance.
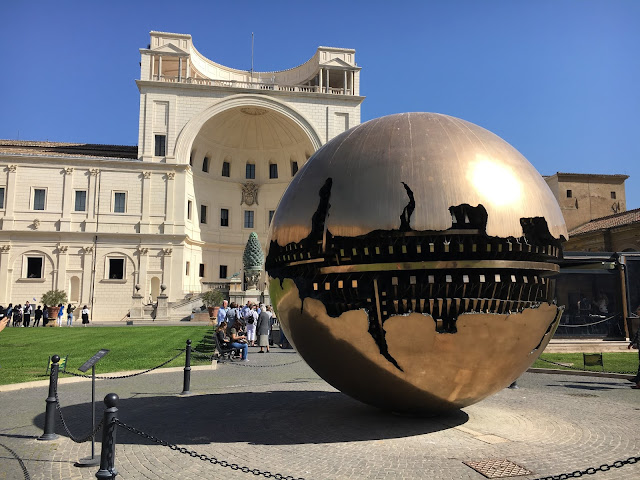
(53, 298)
(212, 298)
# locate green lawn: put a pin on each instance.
(618, 362)
(24, 352)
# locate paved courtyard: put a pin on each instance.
(285, 419)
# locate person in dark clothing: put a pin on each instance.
(635, 343)
(37, 315)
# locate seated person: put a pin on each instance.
(221, 334)
(239, 341)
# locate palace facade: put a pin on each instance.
(217, 147)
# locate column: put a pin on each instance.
(153, 62)
(7, 222)
(146, 202)
(344, 90)
(188, 67)
(166, 268)
(159, 66)
(92, 200)
(5, 277)
(87, 274)
(169, 213)
(328, 81)
(353, 83)
(320, 79)
(61, 274)
(179, 69)
(67, 198)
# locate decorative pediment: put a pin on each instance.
(169, 49)
(336, 62)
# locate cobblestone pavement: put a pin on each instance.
(284, 419)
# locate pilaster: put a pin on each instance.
(67, 194)
(146, 203)
(5, 277)
(61, 274)
(166, 268)
(92, 200)
(7, 221)
(87, 274)
(169, 212)
(143, 263)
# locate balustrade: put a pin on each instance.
(253, 85)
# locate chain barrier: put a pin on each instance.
(582, 369)
(203, 457)
(25, 472)
(126, 376)
(244, 364)
(592, 470)
(588, 324)
(86, 438)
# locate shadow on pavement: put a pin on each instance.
(264, 418)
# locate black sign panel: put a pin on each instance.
(93, 360)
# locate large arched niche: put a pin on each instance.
(246, 123)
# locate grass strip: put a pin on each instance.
(615, 362)
(24, 352)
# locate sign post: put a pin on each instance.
(92, 460)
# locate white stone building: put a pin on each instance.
(217, 147)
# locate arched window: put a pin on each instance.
(226, 168)
(205, 165)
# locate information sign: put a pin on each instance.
(93, 360)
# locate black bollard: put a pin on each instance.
(108, 454)
(186, 384)
(50, 413)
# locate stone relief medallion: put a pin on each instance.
(249, 194)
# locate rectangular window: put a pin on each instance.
(294, 168)
(34, 267)
(116, 268)
(250, 171)
(39, 196)
(226, 169)
(203, 214)
(81, 201)
(186, 270)
(119, 202)
(161, 145)
(224, 217)
(201, 272)
(271, 214)
(1, 197)
(205, 165)
(248, 219)
(613, 195)
(273, 170)
(189, 209)
(569, 194)
(223, 271)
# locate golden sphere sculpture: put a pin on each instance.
(410, 262)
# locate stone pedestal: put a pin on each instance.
(162, 310)
(137, 309)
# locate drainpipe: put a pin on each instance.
(95, 249)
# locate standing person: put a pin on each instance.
(9, 313)
(45, 315)
(26, 313)
(70, 309)
(37, 316)
(60, 314)
(85, 316)
(264, 328)
(251, 329)
(222, 313)
(17, 316)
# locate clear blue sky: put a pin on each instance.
(558, 79)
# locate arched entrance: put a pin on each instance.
(244, 153)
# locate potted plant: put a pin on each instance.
(52, 299)
(213, 299)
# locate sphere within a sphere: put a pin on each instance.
(410, 262)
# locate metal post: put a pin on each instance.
(50, 414)
(92, 460)
(108, 454)
(186, 384)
